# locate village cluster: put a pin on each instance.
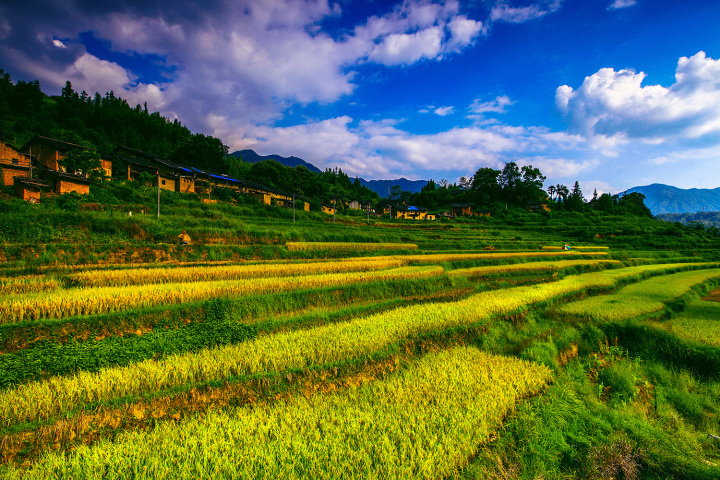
(37, 167)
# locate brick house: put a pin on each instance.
(130, 162)
(29, 188)
(13, 164)
(461, 210)
(50, 152)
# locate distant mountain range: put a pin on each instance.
(251, 157)
(381, 187)
(706, 218)
(661, 199)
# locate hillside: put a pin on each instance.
(452, 348)
(661, 198)
(711, 219)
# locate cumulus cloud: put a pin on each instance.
(383, 149)
(614, 107)
(246, 61)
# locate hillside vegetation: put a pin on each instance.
(472, 348)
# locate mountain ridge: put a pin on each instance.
(381, 187)
(661, 198)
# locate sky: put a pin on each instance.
(611, 93)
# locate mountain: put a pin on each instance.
(705, 218)
(661, 198)
(251, 157)
(381, 187)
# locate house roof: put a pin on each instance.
(31, 182)
(413, 209)
(59, 144)
(461, 205)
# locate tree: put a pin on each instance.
(510, 179)
(531, 186)
(576, 201)
(485, 185)
(634, 203)
(552, 191)
(605, 202)
(81, 160)
(203, 152)
(562, 191)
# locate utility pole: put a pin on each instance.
(333, 210)
(293, 208)
(158, 181)
(368, 212)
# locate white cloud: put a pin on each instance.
(443, 111)
(613, 106)
(382, 149)
(496, 106)
(403, 48)
(58, 43)
(618, 4)
(503, 12)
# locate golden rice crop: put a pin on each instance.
(527, 267)
(299, 349)
(641, 298)
(88, 301)
(585, 247)
(454, 257)
(139, 276)
(424, 422)
(308, 246)
(27, 284)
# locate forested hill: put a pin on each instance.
(102, 122)
(661, 198)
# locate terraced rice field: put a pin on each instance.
(367, 367)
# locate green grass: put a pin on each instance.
(699, 322)
(649, 296)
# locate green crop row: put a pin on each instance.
(644, 297)
(527, 267)
(47, 359)
(296, 349)
(424, 422)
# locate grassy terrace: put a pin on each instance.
(469, 349)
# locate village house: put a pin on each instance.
(327, 209)
(29, 188)
(461, 210)
(13, 164)
(537, 206)
(130, 162)
(50, 152)
(411, 213)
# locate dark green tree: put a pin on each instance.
(485, 186)
(202, 151)
(81, 160)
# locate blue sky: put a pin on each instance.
(613, 93)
